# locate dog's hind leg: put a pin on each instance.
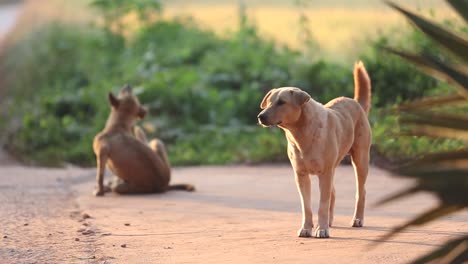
(140, 134)
(360, 160)
(332, 206)
(123, 187)
(160, 150)
(120, 186)
(157, 146)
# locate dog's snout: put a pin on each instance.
(261, 117)
(264, 119)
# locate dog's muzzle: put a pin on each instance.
(261, 118)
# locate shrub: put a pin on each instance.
(60, 74)
(198, 87)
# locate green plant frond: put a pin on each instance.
(455, 121)
(437, 125)
(457, 76)
(433, 158)
(398, 195)
(437, 132)
(435, 118)
(446, 155)
(433, 101)
(451, 249)
(455, 43)
(430, 215)
(443, 174)
(461, 7)
(430, 173)
(448, 185)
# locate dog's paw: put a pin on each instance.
(321, 233)
(357, 222)
(99, 192)
(107, 188)
(304, 232)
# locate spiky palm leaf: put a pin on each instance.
(444, 174)
(453, 42)
(433, 101)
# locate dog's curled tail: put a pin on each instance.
(362, 86)
(181, 187)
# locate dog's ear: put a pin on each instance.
(113, 100)
(142, 112)
(263, 104)
(300, 97)
(127, 89)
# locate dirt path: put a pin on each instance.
(39, 217)
(238, 215)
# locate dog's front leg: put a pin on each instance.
(325, 186)
(101, 159)
(303, 186)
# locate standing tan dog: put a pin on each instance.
(319, 137)
(141, 167)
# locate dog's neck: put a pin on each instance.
(119, 121)
(314, 117)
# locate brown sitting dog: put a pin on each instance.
(140, 167)
(319, 136)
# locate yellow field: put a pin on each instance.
(339, 30)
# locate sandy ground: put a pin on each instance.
(239, 214)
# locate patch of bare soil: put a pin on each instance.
(40, 221)
(239, 214)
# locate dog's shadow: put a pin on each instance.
(263, 204)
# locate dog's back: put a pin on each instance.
(133, 161)
(350, 115)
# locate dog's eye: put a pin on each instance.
(280, 102)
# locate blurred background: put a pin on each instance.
(202, 68)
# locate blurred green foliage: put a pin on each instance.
(203, 90)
